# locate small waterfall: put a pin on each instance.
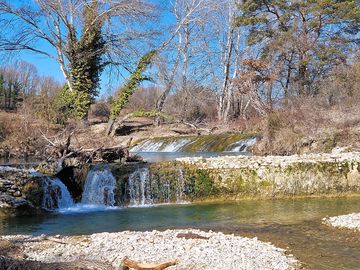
(180, 187)
(56, 195)
(139, 188)
(241, 146)
(174, 145)
(143, 190)
(99, 187)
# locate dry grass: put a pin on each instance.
(309, 126)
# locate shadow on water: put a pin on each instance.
(292, 224)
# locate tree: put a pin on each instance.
(2, 90)
(84, 36)
(132, 84)
(85, 59)
(307, 38)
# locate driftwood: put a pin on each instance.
(184, 131)
(130, 264)
(191, 235)
(62, 154)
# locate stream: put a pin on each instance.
(292, 224)
(295, 225)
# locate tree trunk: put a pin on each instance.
(184, 80)
(222, 109)
(110, 126)
(161, 100)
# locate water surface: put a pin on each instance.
(292, 224)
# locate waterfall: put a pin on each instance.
(99, 187)
(56, 195)
(180, 187)
(174, 145)
(143, 190)
(206, 143)
(139, 188)
(241, 146)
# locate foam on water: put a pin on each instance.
(87, 208)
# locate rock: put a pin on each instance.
(17, 194)
(21, 191)
(10, 206)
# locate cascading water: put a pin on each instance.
(144, 191)
(241, 146)
(161, 146)
(139, 188)
(99, 187)
(194, 144)
(56, 195)
(180, 187)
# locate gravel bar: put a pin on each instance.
(350, 221)
(211, 250)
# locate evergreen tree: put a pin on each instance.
(311, 36)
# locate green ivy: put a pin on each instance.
(131, 85)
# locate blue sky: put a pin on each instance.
(49, 67)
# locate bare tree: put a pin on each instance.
(51, 28)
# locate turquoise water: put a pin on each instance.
(292, 224)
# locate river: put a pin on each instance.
(291, 224)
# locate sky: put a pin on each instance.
(49, 67)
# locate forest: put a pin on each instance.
(287, 70)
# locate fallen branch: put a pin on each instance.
(191, 235)
(127, 264)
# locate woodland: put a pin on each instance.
(287, 70)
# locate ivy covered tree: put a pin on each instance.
(307, 37)
(132, 84)
(85, 59)
(81, 36)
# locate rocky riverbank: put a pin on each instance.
(193, 249)
(350, 221)
(21, 191)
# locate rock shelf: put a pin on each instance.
(335, 174)
(212, 250)
(350, 221)
(255, 162)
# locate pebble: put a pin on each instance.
(219, 251)
(17, 194)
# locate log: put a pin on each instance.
(127, 264)
(184, 131)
